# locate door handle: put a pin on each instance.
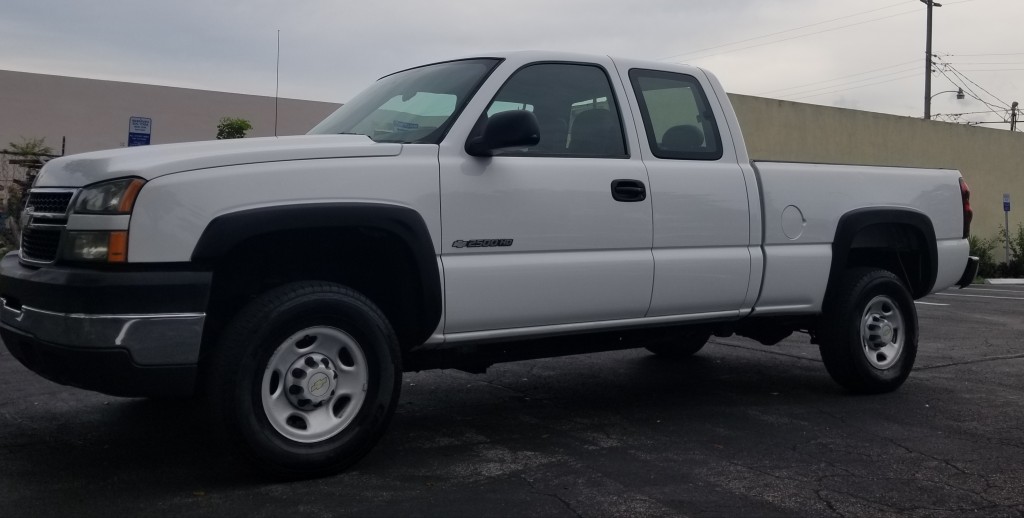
(628, 190)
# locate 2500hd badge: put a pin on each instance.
(481, 243)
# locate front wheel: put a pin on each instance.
(868, 331)
(305, 379)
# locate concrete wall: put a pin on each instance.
(991, 160)
(94, 114)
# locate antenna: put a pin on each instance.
(277, 85)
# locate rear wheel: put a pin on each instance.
(683, 346)
(868, 331)
(305, 379)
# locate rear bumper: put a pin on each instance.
(970, 272)
(126, 333)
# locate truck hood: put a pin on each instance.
(150, 162)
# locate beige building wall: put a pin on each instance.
(93, 114)
(991, 160)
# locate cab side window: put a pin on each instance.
(574, 106)
(677, 117)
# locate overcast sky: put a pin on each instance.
(866, 54)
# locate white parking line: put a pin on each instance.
(990, 289)
(929, 303)
(979, 296)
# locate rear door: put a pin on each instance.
(702, 237)
(536, 236)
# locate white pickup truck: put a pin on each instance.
(455, 215)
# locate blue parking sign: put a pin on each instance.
(139, 131)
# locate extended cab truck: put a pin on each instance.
(455, 215)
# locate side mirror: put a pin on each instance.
(515, 128)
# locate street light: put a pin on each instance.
(928, 61)
(959, 94)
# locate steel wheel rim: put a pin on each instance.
(320, 407)
(882, 332)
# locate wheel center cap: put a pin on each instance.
(887, 332)
(310, 381)
(319, 385)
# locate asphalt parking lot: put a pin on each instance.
(740, 429)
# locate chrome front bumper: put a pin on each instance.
(150, 339)
(135, 330)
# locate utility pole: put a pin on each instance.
(928, 61)
(277, 80)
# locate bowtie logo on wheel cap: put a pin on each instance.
(319, 385)
(311, 380)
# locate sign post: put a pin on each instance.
(139, 131)
(1006, 227)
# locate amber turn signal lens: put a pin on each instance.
(117, 248)
(130, 193)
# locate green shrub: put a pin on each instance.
(1015, 266)
(1017, 243)
(983, 249)
(232, 127)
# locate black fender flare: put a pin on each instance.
(229, 230)
(851, 223)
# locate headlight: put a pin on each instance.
(110, 247)
(113, 197)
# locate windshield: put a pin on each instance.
(413, 106)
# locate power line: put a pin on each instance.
(963, 86)
(984, 62)
(855, 87)
(978, 55)
(880, 76)
(698, 51)
(803, 35)
(838, 78)
(991, 69)
(962, 113)
(970, 92)
(943, 67)
(780, 32)
(955, 71)
(798, 36)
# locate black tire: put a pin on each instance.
(237, 375)
(681, 347)
(848, 332)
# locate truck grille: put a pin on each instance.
(46, 214)
(40, 244)
(49, 202)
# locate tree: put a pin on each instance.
(26, 159)
(28, 155)
(232, 127)
(30, 146)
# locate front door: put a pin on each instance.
(535, 236)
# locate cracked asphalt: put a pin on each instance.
(740, 429)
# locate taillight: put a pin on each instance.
(965, 194)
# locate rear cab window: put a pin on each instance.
(677, 117)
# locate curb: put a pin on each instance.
(1004, 281)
